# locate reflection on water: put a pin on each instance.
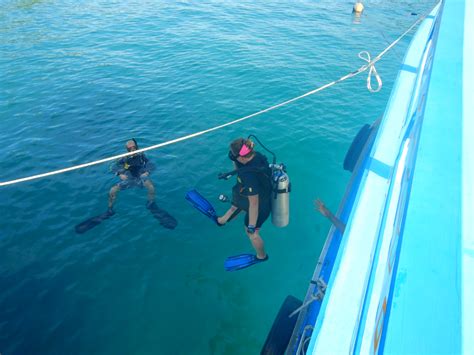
(356, 18)
(27, 4)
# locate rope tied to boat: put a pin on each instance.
(317, 295)
(369, 65)
(364, 55)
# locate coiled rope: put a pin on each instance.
(370, 65)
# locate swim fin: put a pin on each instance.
(92, 222)
(201, 204)
(242, 261)
(166, 220)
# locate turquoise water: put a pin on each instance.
(79, 78)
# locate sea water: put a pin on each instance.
(80, 78)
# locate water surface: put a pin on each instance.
(79, 78)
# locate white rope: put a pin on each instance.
(363, 68)
(364, 55)
(301, 350)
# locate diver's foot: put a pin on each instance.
(262, 259)
(110, 212)
(150, 204)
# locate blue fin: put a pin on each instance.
(201, 204)
(238, 262)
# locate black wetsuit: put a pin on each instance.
(133, 166)
(253, 179)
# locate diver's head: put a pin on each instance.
(241, 150)
(131, 145)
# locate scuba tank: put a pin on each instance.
(281, 188)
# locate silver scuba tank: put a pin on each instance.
(280, 196)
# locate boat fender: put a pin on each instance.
(282, 328)
(352, 155)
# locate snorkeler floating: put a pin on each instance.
(261, 189)
(133, 171)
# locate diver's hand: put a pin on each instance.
(221, 220)
(321, 207)
(123, 177)
(145, 174)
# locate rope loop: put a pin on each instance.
(364, 55)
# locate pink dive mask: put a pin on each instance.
(244, 150)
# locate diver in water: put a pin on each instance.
(252, 194)
(133, 171)
(261, 189)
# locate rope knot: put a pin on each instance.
(364, 55)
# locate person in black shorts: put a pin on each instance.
(252, 193)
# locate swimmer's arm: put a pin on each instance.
(118, 167)
(321, 207)
(337, 223)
